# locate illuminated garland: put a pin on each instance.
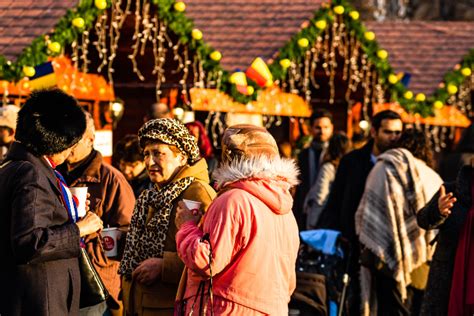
(298, 56)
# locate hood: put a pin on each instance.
(268, 179)
(198, 170)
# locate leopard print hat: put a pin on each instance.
(171, 132)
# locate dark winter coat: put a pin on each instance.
(436, 298)
(112, 199)
(305, 183)
(39, 245)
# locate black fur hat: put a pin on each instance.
(50, 122)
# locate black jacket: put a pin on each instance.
(305, 184)
(347, 191)
(39, 246)
(436, 298)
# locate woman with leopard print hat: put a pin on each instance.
(151, 268)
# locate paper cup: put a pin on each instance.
(81, 195)
(191, 205)
(110, 238)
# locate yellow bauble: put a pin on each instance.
(383, 54)
(180, 6)
(339, 9)
(393, 79)
(452, 89)
(303, 42)
(466, 72)
(321, 24)
(196, 34)
(250, 90)
(216, 55)
(100, 4)
(408, 95)
(78, 22)
(29, 71)
(438, 104)
(420, 97)
(54, 47)
(370, 36)
(354, 15)
(285, 63)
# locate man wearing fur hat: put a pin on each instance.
(112, 199)
(8, 116)
(39, 225)
(249, 228)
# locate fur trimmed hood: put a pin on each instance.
(268, 179)
(259, 167)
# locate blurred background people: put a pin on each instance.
(250, 229)
(39, 227)
(450, 289)
(452, 162)
(158, 110)
(111, 198)
(204, 143)
(395, 250)
(8, 117)
(348, 187)
(151, 268)
(129, 158)
(316, 199)
(309, 160)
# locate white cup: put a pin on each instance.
(110, 238)
(81, 195)
(191, 205)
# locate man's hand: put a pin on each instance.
(183, 215)
(148, 271)
(89, 224)
(445, 202)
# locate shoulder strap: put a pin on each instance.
(5, 163)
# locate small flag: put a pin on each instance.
(240, 80)
(44, 77)
(260, 73)
(404, 78)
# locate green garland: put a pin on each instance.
(173, 13)
(420, 104)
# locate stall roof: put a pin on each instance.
(426, 50)
(21, 21)
(245, 29)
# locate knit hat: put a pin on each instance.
(8, 116)
(50, 122)
(247, 141)
(171, 132)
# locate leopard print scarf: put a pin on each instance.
(147, 240)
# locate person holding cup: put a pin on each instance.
(241, 260)
(150, 267)
(40, 229)
(112, 199)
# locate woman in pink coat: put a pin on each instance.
(249, 228)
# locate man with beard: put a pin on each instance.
(348, 187)
(309, 160)
(8, 116)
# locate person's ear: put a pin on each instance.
(373, 132)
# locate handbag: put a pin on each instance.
(93, 290)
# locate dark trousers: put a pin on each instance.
(389, 298)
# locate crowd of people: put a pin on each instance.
(202, 234)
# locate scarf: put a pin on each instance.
(461, 300)
(67, 199)
(146, 238)
(386, 220)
